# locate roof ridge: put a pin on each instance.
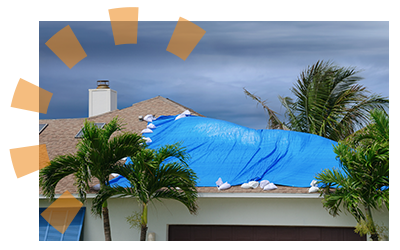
(174, 103)
(183, 108)
(136, 103)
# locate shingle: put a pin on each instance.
(59, 137)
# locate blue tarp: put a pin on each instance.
(239, 154)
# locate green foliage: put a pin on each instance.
(154, 175)
(362, 183)
(134, 220)
(364, 227)
(99, 152)
(328, 102)
(273, 120)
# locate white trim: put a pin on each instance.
(88, 196)
(226, 195)
(259, 195)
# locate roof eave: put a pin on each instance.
(228, 195)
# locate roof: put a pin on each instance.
(59, 137)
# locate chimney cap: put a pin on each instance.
(103, 84)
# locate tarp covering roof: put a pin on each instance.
(239, 154)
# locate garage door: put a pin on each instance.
(249, 233)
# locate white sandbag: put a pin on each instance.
(314, 188)
(270, 186)
(151, 126)
(219, 182)
(183, 114)
(226, 185)
(148, 140)
(146, 130)
(250, 184)
(254, 184)
(263, 183)
(149, 118)
(186, 112)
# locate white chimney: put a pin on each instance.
(102, 99)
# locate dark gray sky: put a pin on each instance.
(264, 57)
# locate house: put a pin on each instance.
(286, 213)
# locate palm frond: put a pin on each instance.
(175, 151)
(329, 102)
(59, 168)
(111, 127)
(104, 194)
(294, 120)
(273, 120)
(176, 182)
(363, 180)
(153, 174)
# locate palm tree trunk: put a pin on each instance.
(143, 230)
(143, 233)
(370, 221)
(106, 223)
(106, 218)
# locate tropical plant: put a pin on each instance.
(154, 175)
(98, 154)
(362, 183)
(273, 120)
(329, 102)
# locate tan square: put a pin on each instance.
(67, 47)
(124, 24)
(62, 212)
(185, 38)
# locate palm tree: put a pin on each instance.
(98, 154)
(329, 102)
(363, 181)
(154, 175)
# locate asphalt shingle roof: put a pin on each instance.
(59, 137)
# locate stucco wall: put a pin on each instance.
(223, 211)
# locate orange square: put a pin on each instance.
(185, 38)
(62, 212)
(43, 156)
(124, 24)
(27, 160)
(30, 97)
(66, 46)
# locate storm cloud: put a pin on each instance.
(264, 57)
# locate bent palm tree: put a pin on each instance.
(153, 175)
(97, 156)
(329, 102)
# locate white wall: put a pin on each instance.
(223, 211)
